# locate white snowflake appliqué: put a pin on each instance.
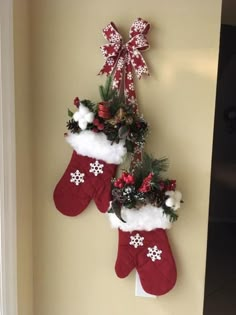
(120, 63)
(136, 53)
(104, 52)
(140, 41)
(132, 100)
(117, 47)
(129, 76)
(77, 177)
(131, 86)
(115, 38)
(154, 253)
(115, 84)
(110, 61)
(96, 168)
(141, 70)
(136, 240)
(139, 26)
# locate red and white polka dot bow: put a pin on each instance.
(121, 58)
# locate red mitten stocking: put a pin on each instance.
(88, 175)
(143, 244)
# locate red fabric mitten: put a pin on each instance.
(143, 244)
(88, 175)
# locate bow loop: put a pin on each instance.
(110, 50)
(139, 26)
(138, 42)
(111, 33)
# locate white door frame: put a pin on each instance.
(8, 254)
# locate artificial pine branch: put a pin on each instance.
(160, 165)
(102, 92)
(149, 165)
(172, 214)
(106, 91)
(154, 165)
(108, 88)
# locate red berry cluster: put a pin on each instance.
(76, 101)
(146, 184)
(98, 126)
(125, 178)
(167, 185)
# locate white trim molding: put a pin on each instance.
(8, 250)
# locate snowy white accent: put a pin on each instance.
(136, 240)
(139, 26)
(96, 168)
(132, 100)
(115, 37)
(116, 47)
(83, 116)
(154, 253)
(129, 75)
(120, 63)
(174, 199)
(131, 86)
(96, 145)
(110, 61)
(77, 177)
(147, 218)
(140, 41)
(115, 84)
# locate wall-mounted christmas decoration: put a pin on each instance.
(144, 205)
(141, 203)
(101, 134)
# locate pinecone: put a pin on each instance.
(73, 126)
(111, 132)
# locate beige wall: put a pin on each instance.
(74, 257)
(24, 130)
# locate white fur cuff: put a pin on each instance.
(96, 145)
(147, 218)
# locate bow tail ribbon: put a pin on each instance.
(118, 75)
(123, 79)
(129, 90)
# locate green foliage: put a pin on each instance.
(150, 165)
(106, 91)
(70, 113)
(171, 213)
(91, 106)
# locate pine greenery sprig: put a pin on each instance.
(106, 91)
(150, 165)
(173, 216)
